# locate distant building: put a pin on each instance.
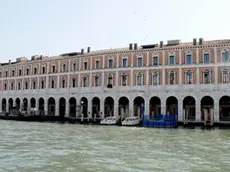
(182, 78)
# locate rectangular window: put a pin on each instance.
(26, 85)
(139, 80)
(155, 79)
(124, 80)
(225, 77)
(63, 68)
(73, 82)
(0, 74)
(97, 64)
(124, 62)
(34, 85)
(52, 84)
(6, 73)
(188, 59)
(206, 58)
(12, 72)
(172, 60)
(155, 60)
(110, 63)
(20, 72)
(84, 82)
(207, 78)
(139, 61)
(12, 86)
(225, 56)
(85, 66)
(63, 83)
(110, 80)
(19, 86)
(35, 71)
(43, 70)
(5, 87)
(172, 78)
(27, 71)
(53, 69)
(74, 67)
(188, 77)
(43, 85)
(96, 81)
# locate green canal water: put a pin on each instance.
(33, 147)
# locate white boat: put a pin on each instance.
(110, 120)
(131, 121)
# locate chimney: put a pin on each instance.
(161, 44)
(9, 61)
(201, 41)
(82, 51)
(88, 49)
(135, 46)
(130, 46)
(194, 41)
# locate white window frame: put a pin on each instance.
(52, 80)
(174, 81)
(44, 84)
(64, 67)
(63, 85)
(140, 57)
(157, 60)
(223, 51)
(97, 77)
(125, 58)
(186, 77)
(34, 81)
(207, 52)
(124, 74)
(85, 61)
(86, 81)
(111, 58)
(174, 60)
(210, 75)
(223, 78)
(97, 60)
(139, 74)
(186, 54)
(19, 83)
(110, 74)
(54, 66)
(158, 78)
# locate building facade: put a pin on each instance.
(181, 78)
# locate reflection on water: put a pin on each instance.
(55, 147)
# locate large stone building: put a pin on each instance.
(182, 78)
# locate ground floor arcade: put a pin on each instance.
(188, 108)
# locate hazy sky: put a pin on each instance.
(52, 27)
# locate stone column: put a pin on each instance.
(0, 106)
(46, 106)
(146, 112)
(37, 107)
(102, 110)
(89, 110)
(180, 110)
(116, 114)
(216, 111)
(56, 107)
(163, 106)
(131, 108)
(67, 109)
(198, 111)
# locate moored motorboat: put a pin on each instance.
(112, 120)
(131, 121)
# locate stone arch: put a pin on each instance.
(137, 103)
(224, 108)
(123, 104)
(172, 105)
(95, 107)
(62, 106)
(51, 106)
(154, 106)
(189, 108)
(109, 106)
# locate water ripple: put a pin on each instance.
(55, 147)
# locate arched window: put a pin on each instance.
(96, 80)
(188, 77)
(225, 76)
(155, 80)
(172, 78)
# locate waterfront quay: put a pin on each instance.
(187, 79)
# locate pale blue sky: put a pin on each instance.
(52, 27)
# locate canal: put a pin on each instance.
(48, 147)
